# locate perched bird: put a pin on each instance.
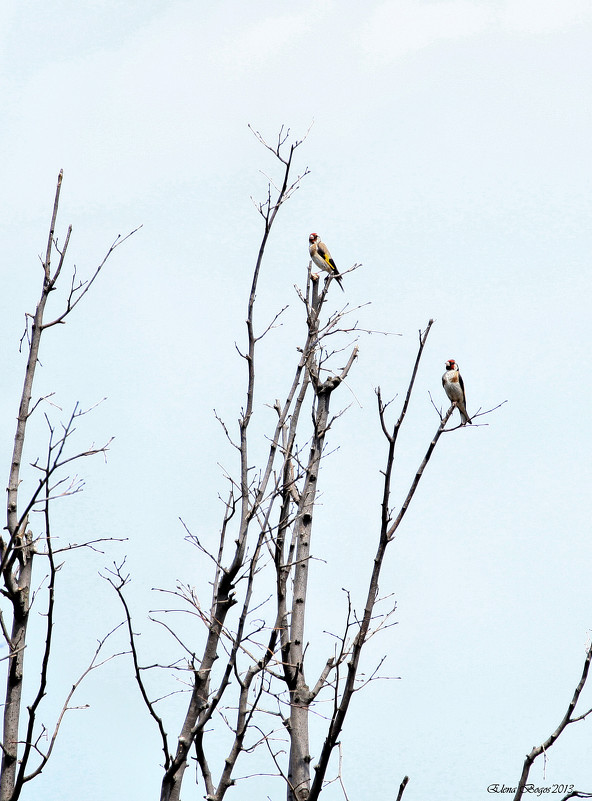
(319, 253)
(455, 389)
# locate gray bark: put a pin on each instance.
(300, 694)
(17, 558)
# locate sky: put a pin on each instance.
(448, 149)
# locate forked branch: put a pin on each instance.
(565, 722)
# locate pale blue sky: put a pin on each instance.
(449, 153)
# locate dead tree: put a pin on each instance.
(251, 678)
(249, 675)
(26, 540)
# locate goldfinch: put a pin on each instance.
(319, 253)
(455, 389)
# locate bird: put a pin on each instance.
(319, 253)
(455, 389)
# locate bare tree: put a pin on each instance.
(249, 675)
(23, 756)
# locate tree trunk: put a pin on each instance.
(300, 695)
(14, 683)
(17, 560)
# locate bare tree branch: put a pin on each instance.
(78, 291)
(402, 787)
(118, 581)
(93, 665)
(565, 722)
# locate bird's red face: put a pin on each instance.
(451, 364)
(312, 237)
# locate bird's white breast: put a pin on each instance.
(452, 386)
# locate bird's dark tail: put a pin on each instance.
(464, 416)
